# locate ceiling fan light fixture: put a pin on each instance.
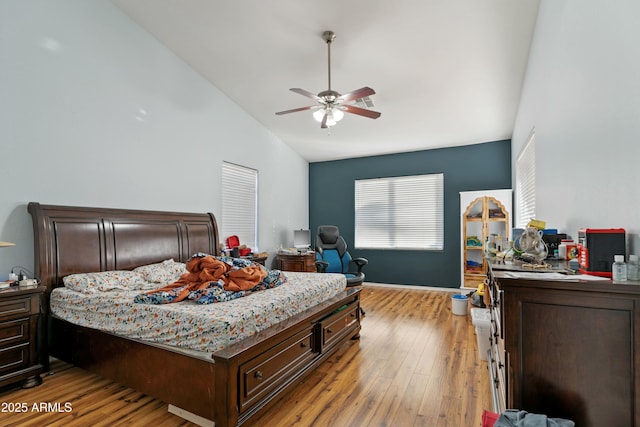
(334, 115)
(333, 104)
(330, 120)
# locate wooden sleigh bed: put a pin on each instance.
(229, 388)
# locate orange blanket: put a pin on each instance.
(203, 270)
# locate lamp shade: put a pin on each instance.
(334, 115)
(5, 244)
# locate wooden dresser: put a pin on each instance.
(297, 262)
(567, 349)
(21, 336)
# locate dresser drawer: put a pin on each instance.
(14, 358)
(14, 332)
(275, 367)
(336, 325)
(19, 307)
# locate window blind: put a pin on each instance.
(240, 204)
(400, 212)
(526, 182)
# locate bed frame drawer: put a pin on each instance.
(333, 328)
(275, 367)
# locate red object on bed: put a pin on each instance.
(489, 418)
(234, 242)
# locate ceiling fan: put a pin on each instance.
(331, 105)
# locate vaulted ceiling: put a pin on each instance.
(446, 72)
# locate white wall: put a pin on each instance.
(95, 112)
(582, 95)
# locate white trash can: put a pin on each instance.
(481, 319)
(459, 304)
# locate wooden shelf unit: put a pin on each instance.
(487, 212)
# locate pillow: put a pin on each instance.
(163, 272)
(105, 281)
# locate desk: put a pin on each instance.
(297, 262)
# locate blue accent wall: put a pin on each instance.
(473, 167)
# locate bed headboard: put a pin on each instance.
(71, 239)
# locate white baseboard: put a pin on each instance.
(416, 287)
(196, 419)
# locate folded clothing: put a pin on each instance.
(214, 279)
(517, 418)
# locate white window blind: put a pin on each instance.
(526, 182)
(400, 212)
(240, 204)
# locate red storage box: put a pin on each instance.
(234, 242)
(596, 248)
(489, 418)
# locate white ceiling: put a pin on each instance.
(445, 72)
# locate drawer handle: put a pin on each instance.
(353, 315)
(303, 345)
(329, 331)
(258, 375)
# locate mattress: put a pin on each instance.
(191, 326)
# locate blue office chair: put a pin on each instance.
(332, 255)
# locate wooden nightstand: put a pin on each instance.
(297, 262)
(21, 335)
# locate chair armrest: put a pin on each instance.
(321, 266)
(360, 262)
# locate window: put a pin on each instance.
(404, 212)
(240, 204)
(526, 182)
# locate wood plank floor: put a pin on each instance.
(415, 364)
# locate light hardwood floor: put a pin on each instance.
(415, 364)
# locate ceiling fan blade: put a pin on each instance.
(307, 94)
(356, 94)
(360, 111)
(323, 125)
(295, 110)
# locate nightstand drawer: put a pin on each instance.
(14, 358)
(14, 332)
(18, 307)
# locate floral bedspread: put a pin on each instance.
(186, 324)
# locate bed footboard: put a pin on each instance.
(238, 383)
(158, 372)
(261, 369)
